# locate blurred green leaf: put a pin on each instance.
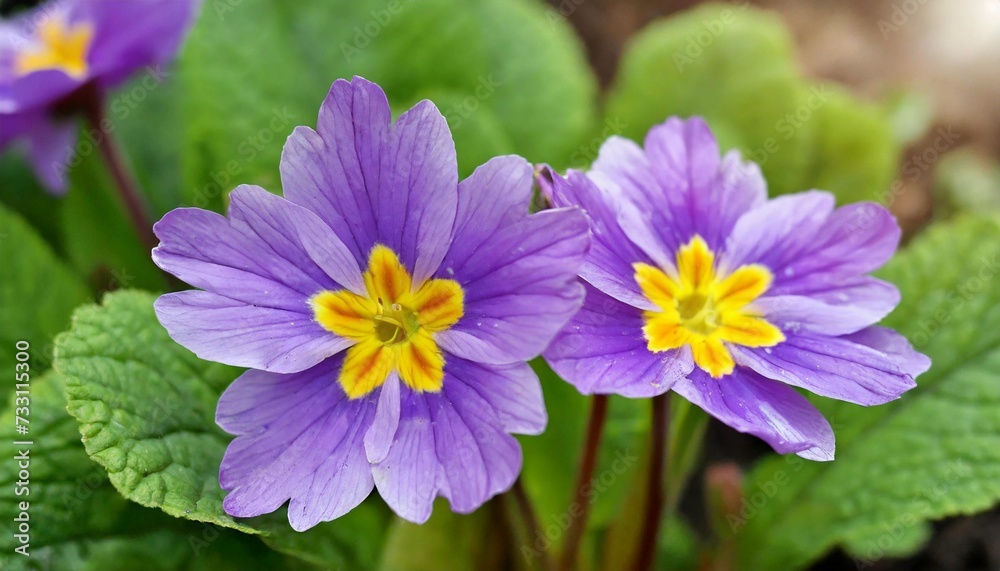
(734, 66)
(508, 79)
(100, 241)
(933, 453)
(21, 193)
(471, 542)
(967, 182)
(37, 294)
(146, 409)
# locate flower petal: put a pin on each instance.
(130, 35)
(408, 477)
(299, 438)
(711, 355)
(420, 363)
(608, 265)
(836, 367)
(891, 343)
(767, 409)
(777, 232)
(479, 459)
(344, 313)
(439, 304)
(254, 256)
(602, 350)
(512, 390)
(366, 366)
(519, 288)
(795, 313)
(375, 183)
(383, 429)
(807, 245)
(450, 443)
(656, 286)
(51, 146)
(679, 184)
(229, 331)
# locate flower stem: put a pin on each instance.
(92, 103)
(530, 519)
(580, 503)
(655, 496)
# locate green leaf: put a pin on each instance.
(734, 66)
(79, 521)
(933, 453)
(467, 542)
(100, 240)
(146, 409)
(21, 193)
(508, 79)
(37, 294)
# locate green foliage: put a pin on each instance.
(933, 453)
(37, 294)
(146, 407)
(79, 521)
(734, 66)
(507, 79)
(467, 542)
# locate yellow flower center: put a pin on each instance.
(704, 310)
(393, 325)
(60, 46)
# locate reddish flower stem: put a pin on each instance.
(655, 496)
(530, 519)
(580, 504)
(92, 104)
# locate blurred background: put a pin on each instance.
(893, 101)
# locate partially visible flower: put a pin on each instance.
(697, 283)
(386, 309)
(61, 49)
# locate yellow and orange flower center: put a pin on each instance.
(705, 310)
(59, 46)
(393, 325)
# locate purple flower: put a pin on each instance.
(386, 309)
(50, 54)
(696, 282)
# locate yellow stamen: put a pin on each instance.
(392, 324)
(60, 46)
(703, 310)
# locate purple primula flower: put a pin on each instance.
(64, 50)
(696, 282)
(386, 309)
